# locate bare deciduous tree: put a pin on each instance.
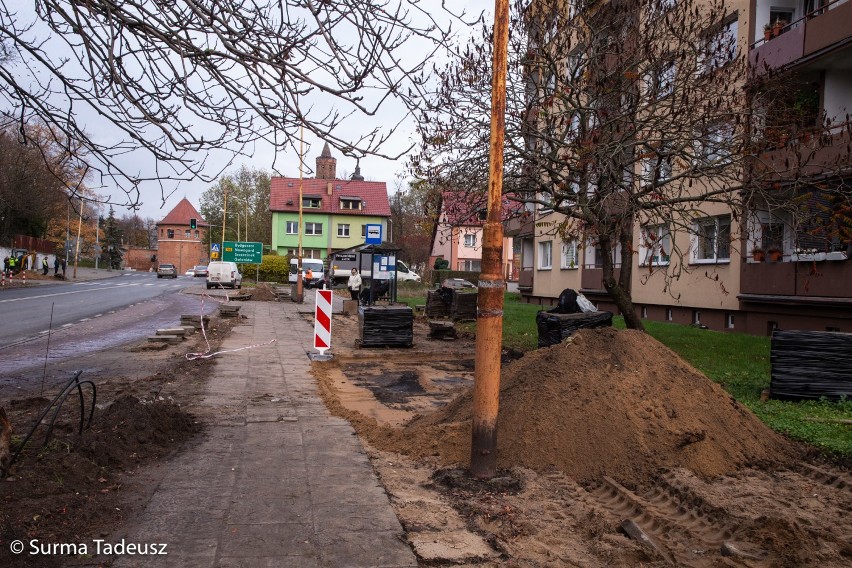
(177, 79)
(619, 114)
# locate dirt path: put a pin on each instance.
(632, 441)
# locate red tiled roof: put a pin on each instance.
(181, 214)
(284, 195)
(467, 209)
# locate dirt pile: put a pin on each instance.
(72, 488)
(614, 403)
(263, 293)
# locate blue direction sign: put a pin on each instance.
(374, 235)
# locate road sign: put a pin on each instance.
(244, 253)
(214, 255)
(374, 235)
(215, 247)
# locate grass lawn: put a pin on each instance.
(739, 362)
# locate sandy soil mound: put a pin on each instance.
(614, 403)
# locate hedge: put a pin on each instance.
(273, 268)
(439, 276)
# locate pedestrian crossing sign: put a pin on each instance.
(215, 247)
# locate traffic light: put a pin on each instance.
(193, 223)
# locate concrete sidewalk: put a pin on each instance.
(277, 481)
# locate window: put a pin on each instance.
(669, 314)
(161, 232)
(644, 312)
(545, 255)
(712, 142)
(660, 7)
(729, 321)
(196, 234)
(569, 255)
(659, 80)
(470, 240)
(170, 233)
(311, 202)
(342, 230)
(187, 234)
(352, 204)
(313, 228)
(713, 239)
(720, 48)
(772, 236)
(470, 265)
(364, 231)
(292, 228)
(657, 165)
(696, 317)
(655, 248)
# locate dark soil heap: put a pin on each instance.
(614, 403)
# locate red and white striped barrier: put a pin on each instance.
(322, 321)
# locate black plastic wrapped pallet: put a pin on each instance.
(553, 328)
(386, 326)
(438, 303)
(811, 365)
(463, 306)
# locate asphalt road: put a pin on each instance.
(25, 313)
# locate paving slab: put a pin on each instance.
(275, 480)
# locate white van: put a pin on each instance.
(317, 271)
(223, 274)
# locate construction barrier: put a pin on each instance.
(322, 321)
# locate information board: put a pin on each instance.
(244, 253)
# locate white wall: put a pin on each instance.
(838, 94)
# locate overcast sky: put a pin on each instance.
(263, 156)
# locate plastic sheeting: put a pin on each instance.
(811, 365)
(386, 326)
(553, 328)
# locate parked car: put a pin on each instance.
(166, 270)
(200, 271)
(457, 283)
(225, 274)
(190, 272)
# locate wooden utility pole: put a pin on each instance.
(489, 319)
(300, 291)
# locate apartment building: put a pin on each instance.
(703, 268)
(335, 212)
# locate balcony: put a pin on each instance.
(797, 282)
(592, 278)
(812, 34)
(525, 279)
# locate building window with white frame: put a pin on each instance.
(311, 202)
(655, 247)
(712, 239)
(363, 231)
(720, 48)
(657, 165)
(660, 79)
(713, 143)
(470, 265)
(292, 228)
(470, 240)
(545, 255)
(343, 230)
(569, 255)
(313, 229)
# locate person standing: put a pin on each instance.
(354, 284)
(55, 265)
(309, 275)
(44, 266)
(64, 266)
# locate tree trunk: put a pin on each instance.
(619, 289)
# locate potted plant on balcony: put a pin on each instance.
(758, 254)
(778, 27)
(775, 254)
(767, 32)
